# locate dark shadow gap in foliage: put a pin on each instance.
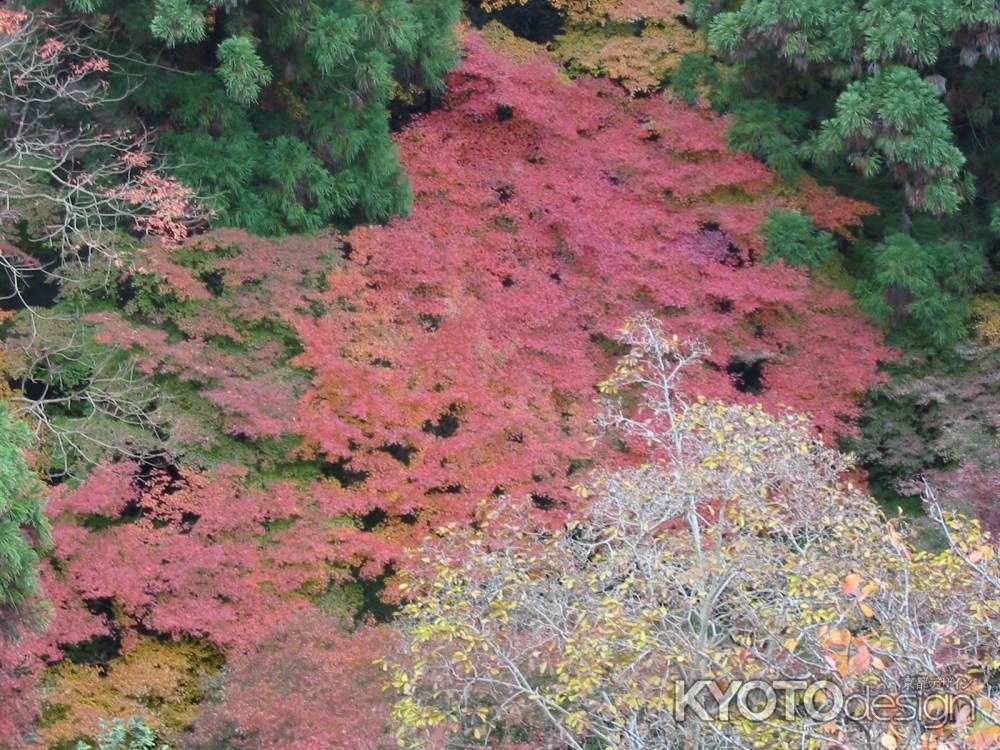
(373, 604)
(747, 374)
(403, 111)
(400, 452)
(373, 519)
(340, 471)
(543, 502)
(36, 290)
(536, 20)
(98, 650)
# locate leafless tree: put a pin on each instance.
(76, 199)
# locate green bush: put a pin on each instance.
(794, 238)
(131, 735)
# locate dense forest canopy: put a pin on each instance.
(399, 372)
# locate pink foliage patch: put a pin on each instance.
(309, 685)
(460, 348)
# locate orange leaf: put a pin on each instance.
(839, 637)
(850, 584)
(866, 591)
(980, 553)
(984, 738)
(861, 661)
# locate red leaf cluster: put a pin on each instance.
(460, 346)
(309, 685)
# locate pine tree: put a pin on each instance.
(920, 286)
(902, 93)
(279, 111)
(24, 530)
(883, 60)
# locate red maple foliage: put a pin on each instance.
(311, 684)
(460, 346)
(451, 356)
(18, 690)
(247, 381)
(202, 555)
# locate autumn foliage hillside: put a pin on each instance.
(446, 358)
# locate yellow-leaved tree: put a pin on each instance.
(635, 42)
(736, 591)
